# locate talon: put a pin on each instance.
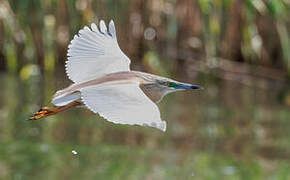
(35, 117)
(41, 112)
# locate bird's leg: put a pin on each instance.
(47, 111)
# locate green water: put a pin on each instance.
(227, 131)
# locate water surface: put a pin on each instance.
(227, 131)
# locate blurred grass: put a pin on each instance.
(28, 160)
(254, 32)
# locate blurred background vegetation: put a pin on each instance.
(254, 32)
(238, 128)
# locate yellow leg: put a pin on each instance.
(47, 111)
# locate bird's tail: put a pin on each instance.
(47, 111)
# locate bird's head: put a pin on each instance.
(171, 85)
(166, 85)
(155, 87)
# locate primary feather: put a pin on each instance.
(93, 53)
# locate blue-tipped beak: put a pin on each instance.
(188, 86)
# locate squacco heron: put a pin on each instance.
(104, 83)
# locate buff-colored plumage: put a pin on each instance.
(103, 82)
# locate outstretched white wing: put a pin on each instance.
(123, 104)
(94, 53)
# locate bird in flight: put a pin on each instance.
(104, 83)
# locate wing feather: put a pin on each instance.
(112, 29)
(103, 27)
(95, 52)
(123, 104)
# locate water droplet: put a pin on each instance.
(74, 152)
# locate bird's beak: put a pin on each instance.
(185, 86)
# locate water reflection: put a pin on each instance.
(228, 131)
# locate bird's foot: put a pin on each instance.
(45, 111)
